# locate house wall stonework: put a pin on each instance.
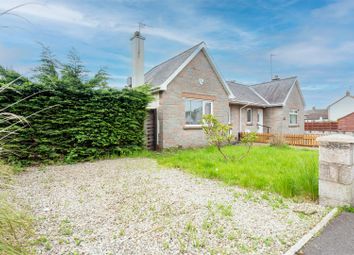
(294, 102)
(273, 118)
(171, 112)
(278, 117)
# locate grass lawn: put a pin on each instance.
(291, 172)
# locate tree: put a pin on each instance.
(218, 134)
(47, 71)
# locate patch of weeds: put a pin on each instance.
(88, 231)
(77, 241)
(43, 240)
(232, 236)
(199, 243)
(268, 241)
(190, 228)
(225, 210)
(122, 232)
(277, 203)
(66, 228)
(74, 253)
(16, 227)
(182, 245)
(166, 245)
(62, 241)
(237, 195)
(219, 232)
(251, 196)
(207, 224)
(347, 208)
(243, 248)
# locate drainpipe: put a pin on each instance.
(241, 114)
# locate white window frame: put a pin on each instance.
(204, 102)
(296, 113)
(251, 121)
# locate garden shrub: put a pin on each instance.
(70, 117)
(75, 124)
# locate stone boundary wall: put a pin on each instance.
(336, 170)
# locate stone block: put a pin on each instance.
(335, 191)
(336, 153)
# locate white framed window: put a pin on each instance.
(293, 117)
(195, 109)
(249, 115)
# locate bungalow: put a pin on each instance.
(189, 85)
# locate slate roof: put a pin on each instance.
(160, 73)
(275, 91)
(244, 93)
(316, 114)
(270, 93)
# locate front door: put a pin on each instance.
(260, 121)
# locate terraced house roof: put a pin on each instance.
(265, 94)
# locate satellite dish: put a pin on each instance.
(201, 81)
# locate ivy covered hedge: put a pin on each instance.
(70, 118)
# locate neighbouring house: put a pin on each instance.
(346, 123)
(341, 107)
(316, 115)
(189, 85)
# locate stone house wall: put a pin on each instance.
(171, 112)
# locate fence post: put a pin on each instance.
(336, 171)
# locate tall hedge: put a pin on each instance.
(73, 124)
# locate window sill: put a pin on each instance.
(192, 127)
(294, 125)
(249, 124)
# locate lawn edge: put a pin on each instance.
(307, 237)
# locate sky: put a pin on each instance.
(313, 40)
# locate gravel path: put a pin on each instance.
(131, 206)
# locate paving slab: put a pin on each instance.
(337, 238)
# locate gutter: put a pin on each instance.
(241, 114)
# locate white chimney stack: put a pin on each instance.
(138, 59)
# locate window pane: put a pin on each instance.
(196, 112)
(207, 108)
(293, 119)
(249, 115)
(193, 111)
(187, 105)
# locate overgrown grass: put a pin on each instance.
(288, 171)
(16, 226)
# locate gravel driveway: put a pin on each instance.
(131, 206)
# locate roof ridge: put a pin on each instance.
(259, 95)
(287, 78)
(174, 56)
(234, 82)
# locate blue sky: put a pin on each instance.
(311, 39)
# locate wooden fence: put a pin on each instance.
(321, 126)
(291, 139)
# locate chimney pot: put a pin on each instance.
(347, 93)
(276, 77)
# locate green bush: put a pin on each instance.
(75, 124)
(68, 116)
